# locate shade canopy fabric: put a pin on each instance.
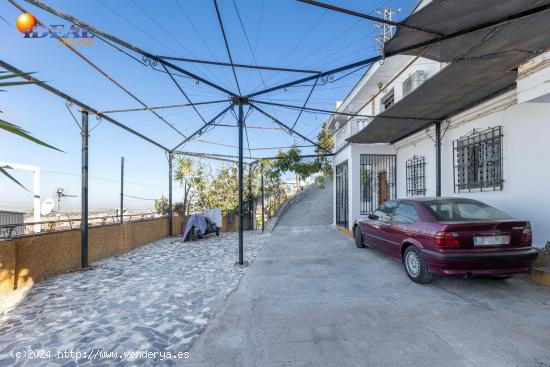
(527, 34)
(482, 63)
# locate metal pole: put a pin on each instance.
(121, 190)
(250, 202)
(170, 210)
(84, 198)
(241, 125)
(262, 184)
(438, 159)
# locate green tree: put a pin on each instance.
(14, 129)
(291, 160)
(192, 177)
(161, 206)
(325, 140)
(222, 190)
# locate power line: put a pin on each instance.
(139, 197)
(200, 35)
(227, 46)
(168, 33)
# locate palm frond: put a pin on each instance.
(14, 129)
(11, 84)
(13, 75)
(4, 172)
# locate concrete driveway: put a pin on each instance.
(312, 298)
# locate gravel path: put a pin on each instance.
(156, 298)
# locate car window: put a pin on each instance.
(405, 213)
(463, 210)
(384, 212)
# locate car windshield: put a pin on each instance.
(461, 210)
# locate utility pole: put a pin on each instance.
(121, 190)
(84, 202)
(385, 30)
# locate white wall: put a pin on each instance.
(429, 66)
(526, 172)
(355, 178)
(352, 153)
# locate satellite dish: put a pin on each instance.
(47, 206)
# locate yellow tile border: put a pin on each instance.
(345, 231)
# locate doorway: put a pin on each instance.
(341, 176)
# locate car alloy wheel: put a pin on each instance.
(412, 264)
(415, 266)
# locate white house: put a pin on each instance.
(484, 96)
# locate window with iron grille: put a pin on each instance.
(477, 161)
(416, 176)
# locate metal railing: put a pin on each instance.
(352, 127)
(9, 231)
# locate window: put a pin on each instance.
(477, 161)
(416, 176)
(384, 212)
(388, 100)
(413, 81)
(463, 210)
(405, 213)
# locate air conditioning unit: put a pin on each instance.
(413, 81)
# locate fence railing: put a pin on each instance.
(352, 127)
(9, 231)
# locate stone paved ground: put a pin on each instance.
(158, 297)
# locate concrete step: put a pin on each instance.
(541, 275)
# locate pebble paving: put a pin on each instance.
(158, 297)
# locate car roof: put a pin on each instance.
(432, 198)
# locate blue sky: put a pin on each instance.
(282, 33)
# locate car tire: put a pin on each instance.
(415, 266)
(358, 237)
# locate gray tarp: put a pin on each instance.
(195, 220)
(485, 61)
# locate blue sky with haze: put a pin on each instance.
(282, 33)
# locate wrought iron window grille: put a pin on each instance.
(477, 161)
(416, 176)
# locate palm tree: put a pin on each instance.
(14, 129)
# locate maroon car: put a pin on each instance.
(448, 236)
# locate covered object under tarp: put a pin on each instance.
(481, 64)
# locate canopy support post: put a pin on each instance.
(438, 159)
(240, 101)
(84, 197)
(170, 207)
(121, 190)
(262, 185)
(241, 214)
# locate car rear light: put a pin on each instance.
(446, 239)
(527, 235)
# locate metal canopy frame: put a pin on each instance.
(235, 99)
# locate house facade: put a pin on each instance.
(430, 124)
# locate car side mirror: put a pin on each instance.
(373, 216)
